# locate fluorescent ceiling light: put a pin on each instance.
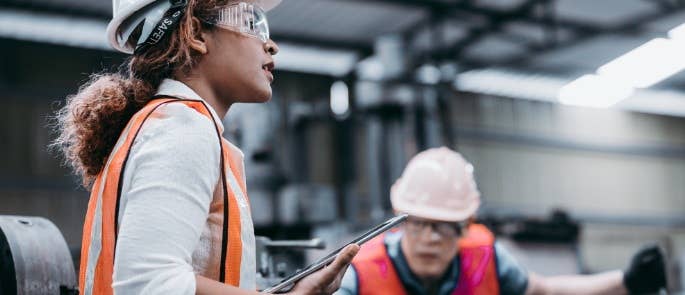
(677, 33)
(594, 91)
(642, 67)
(316, 60)
(340, 98)
(510, 84)
(646, 65)
(428, 73)
(53, 28)
(519, 85)
(663, 102)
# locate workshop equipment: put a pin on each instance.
(270, 271)
(34, 258)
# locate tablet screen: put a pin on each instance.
(368, 235)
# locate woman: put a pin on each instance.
(168, 211)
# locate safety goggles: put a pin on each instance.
(242, 17)
(416, 226)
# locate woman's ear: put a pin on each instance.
(198, 38)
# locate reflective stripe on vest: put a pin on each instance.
(100, 227)
(376, 273)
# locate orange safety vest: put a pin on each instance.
(100, 227)
(376, 273)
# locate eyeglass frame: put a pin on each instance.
(241, 29)
(456, 229)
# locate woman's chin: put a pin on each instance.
(258, 96)
(264, 96)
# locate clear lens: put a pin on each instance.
(243, 17)
(445, 229)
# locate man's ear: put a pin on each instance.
(471, 220)
(198, 38)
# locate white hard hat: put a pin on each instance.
(127, 15)
(437, 184)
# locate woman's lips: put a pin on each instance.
(268, 70)
(269, 75)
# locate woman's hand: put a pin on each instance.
(327, 280)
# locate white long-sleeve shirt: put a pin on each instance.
(166, 234)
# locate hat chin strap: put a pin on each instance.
(153, 17)
(151, 14)
(152, 34)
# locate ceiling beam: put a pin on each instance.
(631, 27)
(363, 48)
(496, 20)
(67, 13)
(74, 10)
(462, 6)
(495, 24)
(525, 13)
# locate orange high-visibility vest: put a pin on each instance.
(100, 228)
(376, 273)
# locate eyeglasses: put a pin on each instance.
(416, 226)
(242, 17)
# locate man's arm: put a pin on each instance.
(646, 274)
(604, 283)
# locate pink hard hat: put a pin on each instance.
(437, 184)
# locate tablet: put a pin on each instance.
(370, 234)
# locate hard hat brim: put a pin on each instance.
(439, 214)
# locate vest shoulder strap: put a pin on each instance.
(477, 263)
(477, 235)
(376, 273)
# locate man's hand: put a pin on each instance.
(327, 280)
(646, 273)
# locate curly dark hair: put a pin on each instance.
(92, 120)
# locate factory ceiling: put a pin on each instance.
(558, 38)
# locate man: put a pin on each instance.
(440, 250)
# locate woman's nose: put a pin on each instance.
(271, 47)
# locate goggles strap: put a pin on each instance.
(166, 25)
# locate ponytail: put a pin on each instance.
(92, 120)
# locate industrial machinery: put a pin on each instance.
(272, 265)
(34, 258)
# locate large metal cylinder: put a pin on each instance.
(34, 257)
